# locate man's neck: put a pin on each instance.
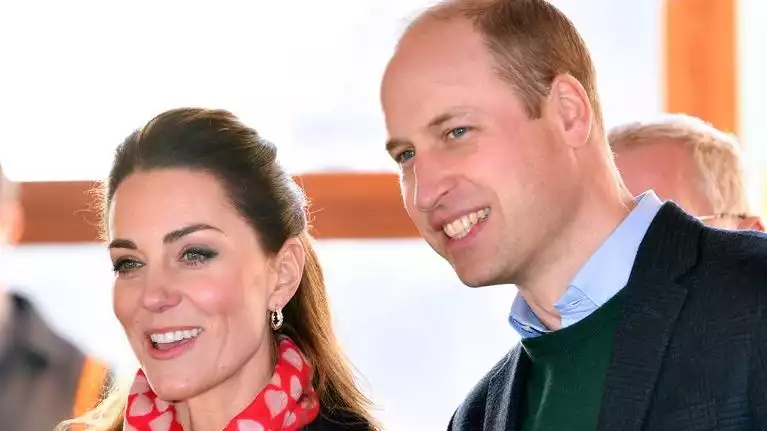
(591, 224)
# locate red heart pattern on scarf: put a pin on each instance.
(287, 403)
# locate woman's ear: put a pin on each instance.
(288, 266)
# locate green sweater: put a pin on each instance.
(567, 374)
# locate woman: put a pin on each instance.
(218, 288)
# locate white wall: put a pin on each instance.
(418, 336)
(78, 78)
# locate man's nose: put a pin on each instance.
(432, 180)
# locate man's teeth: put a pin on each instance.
(461, 226)
(172, 337)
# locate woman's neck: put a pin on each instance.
(216, 407)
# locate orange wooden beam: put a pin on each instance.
(700, 60)
(343, 205)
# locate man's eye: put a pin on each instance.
(404, 156)
(457, 132)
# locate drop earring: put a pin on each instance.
(276, 319)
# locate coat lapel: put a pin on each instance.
(652, 302)
(638, 352)
(504, 393)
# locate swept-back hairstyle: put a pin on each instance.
(217, 143)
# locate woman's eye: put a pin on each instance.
(405, 156)
(124, 266)
(196, 255)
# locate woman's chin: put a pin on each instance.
(174, 389)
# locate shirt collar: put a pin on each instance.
(605, 273)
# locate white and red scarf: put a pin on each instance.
(287, 403)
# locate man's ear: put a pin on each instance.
(751, 223)
(11, 222)
(288, 266)
(569, 106)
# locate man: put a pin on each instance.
(43, 378)
(686, 160)
(633, 314)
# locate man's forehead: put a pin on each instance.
(433, 87)
(429, 29)
(437, 47)
(660, 151)
(666, 167)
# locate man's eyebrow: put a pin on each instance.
(441, 119)
(393, 143)
(451, 114)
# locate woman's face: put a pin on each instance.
(193, 286)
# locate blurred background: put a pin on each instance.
(77, 77)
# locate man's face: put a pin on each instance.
(669, 169)
(479, 178)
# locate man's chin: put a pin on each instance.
(470, 275)
(475, 274)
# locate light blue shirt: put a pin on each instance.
(603, 276)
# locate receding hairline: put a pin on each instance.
(715, 154)
(445, 11)
(524, 57)
(679, 128)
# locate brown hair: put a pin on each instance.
(531, 41)
(217, 143)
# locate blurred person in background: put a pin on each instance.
(218, 287)
(688, 161)
(633, 314)
(44, 378)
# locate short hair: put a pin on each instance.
(531, 42)
(716, 155)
